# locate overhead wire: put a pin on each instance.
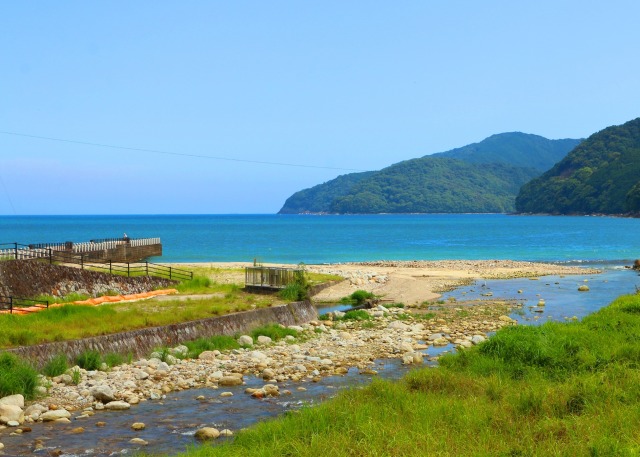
(181, 154)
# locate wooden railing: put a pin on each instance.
(16, 251)
(9, 303)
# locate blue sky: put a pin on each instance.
(336, 84)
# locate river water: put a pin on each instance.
(172, 421)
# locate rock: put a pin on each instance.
(507, 319)
(77, 430)
(54, 415)
(117, 405)
(1, 446)
(207, 433)
(477, 339)
(138, 426)
(13, 424)
(226, 394)
(271, 390)
(297, 328)
(15, 400)
(102, 393)
(397, 325)
(541, 302)
(225, 432)
(264, 340)
(207, 355)
(139, 441)
(230, 381)
(10, 413)
(245, 340)
(583, 288)
(268, 373)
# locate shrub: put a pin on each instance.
(56, 366)
(17, 376)
(298, 290)
(113, 359)
(89, 360)
(197, 284)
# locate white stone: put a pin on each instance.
(11, 413)
(54, 415)
(117, 405)
(264, 339)
(397, 325)
(297, 328)
(245, 340)
(16, 400)
(102, 393)
(207, 433)
(207, 355)
(477, 339)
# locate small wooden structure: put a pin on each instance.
(260, 278)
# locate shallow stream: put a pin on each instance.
(172, 421)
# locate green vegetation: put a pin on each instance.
(197, 285)
(56, 366)
(16, 376)
(481, 177)
(355, 315)
(556, 389)
(298, 290)
(274, 331)
(217, 342)
(359, 297)
(89, 360)
(601, 175)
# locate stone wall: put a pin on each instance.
(124, 253)
(30, 278)
(140, 343)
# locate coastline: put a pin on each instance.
(410, 282)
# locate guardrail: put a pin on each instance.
(10, 303)
(16, 251)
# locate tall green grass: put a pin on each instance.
(217, 342)
(273, 331)
(557, 389)
(16, 376)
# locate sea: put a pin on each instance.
(321, 239)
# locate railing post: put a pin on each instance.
(50, 257)
(10, 305)
(128, 269)
(82, 261)
(16, 249)
(147, 266)
(170, 273)
(110, 267)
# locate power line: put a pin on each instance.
(181, 154)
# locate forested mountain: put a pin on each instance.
(600, 176)
(481, 177)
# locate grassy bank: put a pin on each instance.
(199, 298)
(558, 389)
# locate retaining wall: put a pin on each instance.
(140, 343)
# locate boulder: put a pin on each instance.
(583, 288)
(118, 405)
(207, 433)
(16, 400)
(102, 393)
(207, 355)
(138, 426)
(230, 381)
(54, 415)
(245, 340)
(139, 441)
(10, 413)
(264, 340)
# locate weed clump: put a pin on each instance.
(56, 366)
(89, 360)
(17, 376)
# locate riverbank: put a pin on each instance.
(408, 282)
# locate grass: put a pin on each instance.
(274, 331)
(17, 376)
(217, 342)
(557, 389)
(89, 360)
(56, 366)
(355, 315)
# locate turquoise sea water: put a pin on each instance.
(327, 239)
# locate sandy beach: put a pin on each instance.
(408, 282)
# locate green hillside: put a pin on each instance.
(600, 176)
(479, 178)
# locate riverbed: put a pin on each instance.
(171, 421)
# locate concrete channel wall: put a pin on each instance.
(140, 343)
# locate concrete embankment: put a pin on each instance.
(140, 343)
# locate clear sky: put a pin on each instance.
(337, 84)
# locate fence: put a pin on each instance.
(16, 251)
(269, 277)
(10, 303)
